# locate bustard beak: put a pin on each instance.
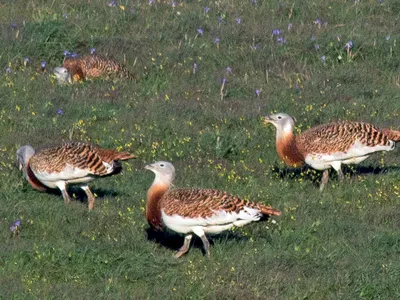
(18, 163)
(56, 70)
(268, 119)
(148, 167)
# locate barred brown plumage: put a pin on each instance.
(329, 145)
(200, 203)
(91, 66)
(70, 163)
(198, 211)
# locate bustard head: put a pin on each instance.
(62, 75)
(283, 122)
(165, 172)
(23, 155)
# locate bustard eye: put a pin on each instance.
(279, 117)
(162, 165)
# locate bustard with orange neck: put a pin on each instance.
(329, 145)
(196, 211)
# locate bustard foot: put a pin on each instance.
(185, 247)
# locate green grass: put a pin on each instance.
(343, 243)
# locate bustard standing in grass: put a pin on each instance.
(198, 211)
(329, 145)
(71, 163)
(89, 67)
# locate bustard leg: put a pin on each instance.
(206, 244)
(338, 168)
(63, 188)
(324, 180)
(185, 247)
(200, 233)
(89, 195)
(340, 174)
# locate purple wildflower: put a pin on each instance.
(253, 2)
(65, 16)
(8, 70)
(323, 58)
(258, 92)
(74, 55)
(217, 40)
(173, 4)
(43, 65)
(317, 22)
(348, 45)
(255, 47)
(206, 9)
(26, 61)
(112, 4)
(229, 70)
(66, 53)
(281, 40)
(200, 31)
(276, 32)
(92, 50)
(151, 2)
(220, 19)
(238, 20)
(14, 25)
(15, 226)
(60, 112)
(224, 81)
(316, 46)
(195, 66)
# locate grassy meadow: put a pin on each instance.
(208, 73)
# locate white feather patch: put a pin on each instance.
(69, 174)
(218, 222)
(356, 153)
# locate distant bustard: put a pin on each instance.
(198, 211)
(71, 163)
(90, 66)
(329, 145)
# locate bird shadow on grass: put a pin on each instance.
(174, 241)
(77, 194)
(99, 192)
(306, 173)
(366, 170)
